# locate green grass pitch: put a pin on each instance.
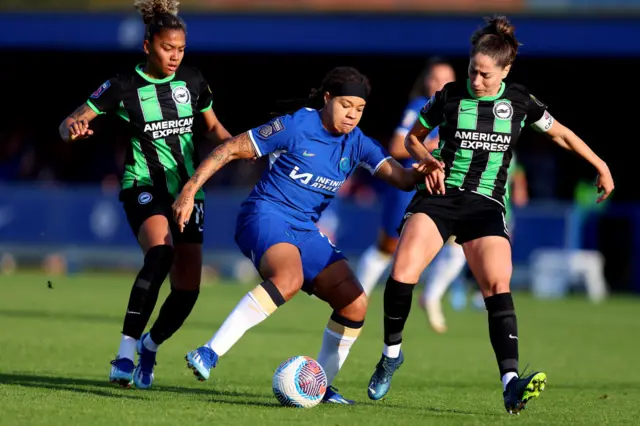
(56, 344)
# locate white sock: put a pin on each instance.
(443, 271)
(506, 378)
(127, 347)
(336, 344)
(372, 264)
(252, 309)
(150, 344)
(392, 351)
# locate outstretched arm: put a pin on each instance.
(406, 179)
(564, 137)
(237, 147)
(76, 125)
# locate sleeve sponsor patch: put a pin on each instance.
(101, 90)
(271, 128)
(534, 99)
(428, 105)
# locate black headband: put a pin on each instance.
(349, 88)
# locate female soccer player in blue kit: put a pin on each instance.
(311, 153)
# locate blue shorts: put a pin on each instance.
(395, 203)
(256, 233)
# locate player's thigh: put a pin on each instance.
(420, 241)
(282, 265)
(154, 231)
(317, 253)
(338, 286)
(272, 247)
(193, 232)
(489, 259)
(147, 217)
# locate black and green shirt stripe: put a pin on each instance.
(160, 116)
(478, 134)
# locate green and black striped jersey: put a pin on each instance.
(478, 134)
(160, 116)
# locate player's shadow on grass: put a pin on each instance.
(81, 386)
(58, 383)
(250, 403)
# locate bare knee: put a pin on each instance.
(356, 310)
(491, 287)
(288, 283)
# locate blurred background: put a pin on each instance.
(59, 208)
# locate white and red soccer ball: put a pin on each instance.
(299, 382)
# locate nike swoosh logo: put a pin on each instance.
(511, 336)
(308, 154)
(146, 99)
(465, 109)
(392, 318)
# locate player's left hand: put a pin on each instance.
(182, 209)
(434, 182)
(605, 185)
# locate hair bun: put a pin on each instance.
(150, 8)
(500, 25)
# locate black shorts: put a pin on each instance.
(465, 214)
(142, 202)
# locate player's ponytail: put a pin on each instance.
(496, 39)
(340, 81)
(159, 15)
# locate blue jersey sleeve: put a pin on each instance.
(276, 135)
(410, 115)
(372, 154)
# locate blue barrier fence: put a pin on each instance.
(86, 219)
(324, 33)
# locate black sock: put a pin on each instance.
(503, 331)
(144, 294)
(173, 313)
(397, 304)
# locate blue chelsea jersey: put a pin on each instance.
(307, 166)
(409, 117)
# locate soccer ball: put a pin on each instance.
(299, 382)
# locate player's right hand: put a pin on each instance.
(79, 130)
(605, 185)
(182, 209)
(428, 165)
